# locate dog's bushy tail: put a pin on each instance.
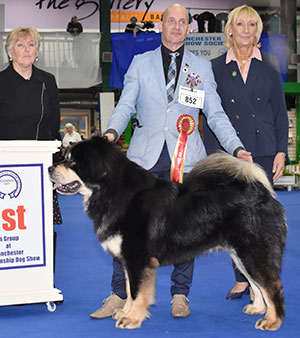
(238, 169)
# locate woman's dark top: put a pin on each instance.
(29, 109)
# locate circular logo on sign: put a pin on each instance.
(10, 184)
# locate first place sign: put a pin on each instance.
(22, 224)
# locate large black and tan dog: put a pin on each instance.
(223, 204)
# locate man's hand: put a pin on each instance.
(244, 155)
(278, 166)
(110, 136)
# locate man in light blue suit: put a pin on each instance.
(154, 141)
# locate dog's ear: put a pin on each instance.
(93, 159)
(96, 160)
(99, 171)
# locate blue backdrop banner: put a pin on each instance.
(124, 47)
(275, 44)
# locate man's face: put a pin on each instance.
(174, 27)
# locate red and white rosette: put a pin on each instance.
(185, 127)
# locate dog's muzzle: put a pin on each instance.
(65, 189)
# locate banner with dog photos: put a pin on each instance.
(22, 227)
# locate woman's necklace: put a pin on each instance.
(243, 59)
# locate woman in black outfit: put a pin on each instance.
(29, 100)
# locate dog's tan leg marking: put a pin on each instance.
(271, 321)
(263, 301)
(154, 263)
(139, 310)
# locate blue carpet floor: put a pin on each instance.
(83, 273)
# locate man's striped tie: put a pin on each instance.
(171, 77)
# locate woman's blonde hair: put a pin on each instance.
(232, 17)
(18, 33)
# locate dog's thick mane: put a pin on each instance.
(237, 169)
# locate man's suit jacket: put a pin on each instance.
(145, 91)
(256, 108)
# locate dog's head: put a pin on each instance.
(85, 166)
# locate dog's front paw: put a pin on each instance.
(251, 309)
(119, 313)
(128, 323)
(265, 324)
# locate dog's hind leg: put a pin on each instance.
(268, 297)
(274, 298)
(135, 310)
(259, 305)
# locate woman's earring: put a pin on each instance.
(10, 59)
(36, 59)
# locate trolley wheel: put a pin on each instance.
(51, 306)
